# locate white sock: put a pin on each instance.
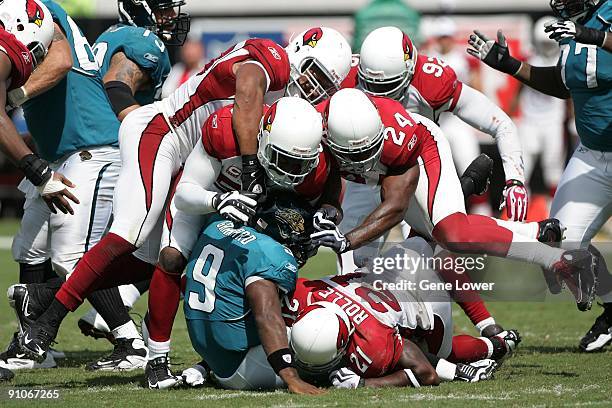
(489, 344)
(126, 331)
(446, 370)
(158, 348)
(483, 324)
(129, 294)
(527, 229)
(532, 251)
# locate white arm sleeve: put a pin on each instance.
(194, 193)
(478, 111)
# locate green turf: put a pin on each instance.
(547, 371)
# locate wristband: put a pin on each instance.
(281, 359)
(249, 160)
(17, 97)
(35, 169)
(412, 378)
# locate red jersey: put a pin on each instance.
(375, 346)
(189, 106)
(405, 141)
(434, 88)
(220, 142)
(20, 57)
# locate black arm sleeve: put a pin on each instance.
(120, 96)
(548, 80)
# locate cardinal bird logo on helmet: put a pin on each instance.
(312, 37)
(407, 47)
(269, 118)
(35, 13)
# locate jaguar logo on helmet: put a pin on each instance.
(35, 13)
(291, 218)
(269, 118)
(312, 37)
(408, 47)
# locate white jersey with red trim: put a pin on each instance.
(188, 107)
(405, 140)
(434, 88)
(220, 143)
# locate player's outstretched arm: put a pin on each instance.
(396, 192)
(122, 80)
(51, 186)
(497, 55)
(265, 304)
(55, 66)
(251, 84)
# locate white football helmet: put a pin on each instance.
(387, 62)
(320, 59)
(290, 141)
(542, 43)
(320, 336)
(31, 23)
(353, 131)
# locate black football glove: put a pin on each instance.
(560, 30)
(493, 53)
(253, 175)
(325, 218)
(234, 206)
(331, 238)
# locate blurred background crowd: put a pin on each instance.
(438, 27)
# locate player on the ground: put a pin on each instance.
(376, 142)
(156, 140)
(235, 279)
(583, 198)
(291, 153)
(390, 65)
(134, 63)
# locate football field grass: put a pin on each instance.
(547, 370)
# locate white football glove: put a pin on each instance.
(515, 200)
(331, 238)
(345, 378)
(195, 376)
(560, 30)
(234, 206)
(325, 219)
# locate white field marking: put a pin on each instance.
(559, 389)
(505, 396)
(229, 395)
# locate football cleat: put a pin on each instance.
(22, 298)
(6, 375)
(35, 341)
(13, 359)
(93, 325)
(159, 376)
(550, 231)
(477, 371)
(505, 344)
(492, 330)
(128, 355)
(600, 334)
(577, 269)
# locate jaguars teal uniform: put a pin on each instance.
(76, 113)
(223, 262)
(140, 46)
(587, 73)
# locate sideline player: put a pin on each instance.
(312, 66)
(235, 279)
(376, 142)
(583, 200)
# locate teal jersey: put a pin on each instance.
(224, 261)
(587, 73)
(142, 47)
(76, 113)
